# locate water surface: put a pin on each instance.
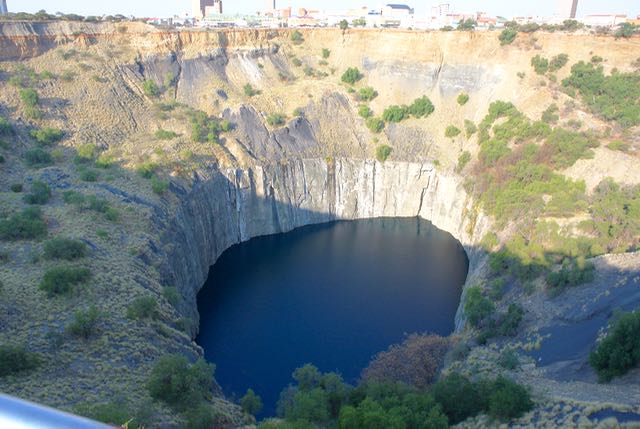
(332, 294)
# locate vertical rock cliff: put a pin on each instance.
(230, 206)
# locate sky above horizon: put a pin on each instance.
(154, 8)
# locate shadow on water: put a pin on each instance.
(332, 294)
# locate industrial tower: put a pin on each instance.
(3, 7)
(567, 8)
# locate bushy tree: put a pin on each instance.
(181, 384)
(540, 64)
(421, 107)
(16, 359)
(351, 75)
(476, 307)
(61, 280)
(375, 125)
(47, 136)
(508, 36)
(367, 93)
(452, 131)
(416, 361)
(395, 113)
(40, 193)
(619, 351)
(463, 98)
(38, 158)
(85, 323)
(251, 403)
(25, 225)
(383, 152)
(64, 248)
(150, 88)
(143, 308)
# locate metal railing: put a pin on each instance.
(20, 414)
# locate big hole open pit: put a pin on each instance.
(333, 294)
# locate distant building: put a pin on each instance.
(3, 7)
(198, 8)
(611, 20)
(440, 10)
(397, 10)
(567, 9)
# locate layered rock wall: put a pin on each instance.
(234, 205)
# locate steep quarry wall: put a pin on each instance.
(230, 206)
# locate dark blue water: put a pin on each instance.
(332, 295)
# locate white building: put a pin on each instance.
(396, 10)
(609, 20)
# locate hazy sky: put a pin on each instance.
(146, 8)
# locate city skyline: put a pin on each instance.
(150, 8)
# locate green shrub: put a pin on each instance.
(159, 186)
(84, 323)
(29, 97)
(116, 413)
(575, 273)
(295, 61)
(150, 88)
(171, 294)
(276, 119)
(64, 248)
(463, 98)
(477, 308)
(374, 124)
(558, 62)
(383, 152)
(508, 359)
(296, 37)
(550, 115)
(147, 169)
(508, 400)
(5, 127)
(165, 135)
(458, 397)
(365, 111)
(85, 154)
(16, 359)
(395, 113)
(421, 107)
(470, 128)
(452, 131)
(351, 75)
(40, 193)
(38, 158)
(143, 308)
(25, 225)
(325, 53)
(181, 385)
(507, 36)
(104, 161)
(619, 351)
(463, 160)
(367, 93)
(298, 112)
(615, 97)
(251, 403)
(61, 280)
(619, 145)
(201, 416)
(468, 24)
(88, 175)
(508, 324)
(47, 136)
(16, 188)
(540, 64)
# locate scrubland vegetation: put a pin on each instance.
(325, 400)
